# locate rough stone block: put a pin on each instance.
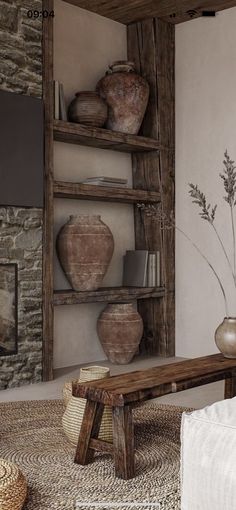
(6, 242)
(29, 240)
(30, 34)
(7, 67)
(13, 54)
(8, 17)
(33, 222)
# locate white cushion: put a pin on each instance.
(208, 457)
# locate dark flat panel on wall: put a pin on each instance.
(21, 150)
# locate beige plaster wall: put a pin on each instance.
(85, 44)
(205, 127)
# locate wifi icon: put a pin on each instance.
(191, 13)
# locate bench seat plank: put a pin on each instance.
(141, 385)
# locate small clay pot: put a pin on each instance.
(85, 247)
(88, 108)
(120, 329)
(126, 93)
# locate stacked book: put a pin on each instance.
(114, 182)
(59, 102)
(141, 268)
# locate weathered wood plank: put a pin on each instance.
(105, 193)
(69, 132)
(106, 294)
(150, 383)
(136, 10)
(48, 195)
(151, 46)
(89, 430)
(123, 442)
(101, 446)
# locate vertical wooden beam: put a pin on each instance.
(151, 45)
(48, 194)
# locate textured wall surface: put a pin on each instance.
(205, 127)
(21, 229)
(21, 243)
(20, 48)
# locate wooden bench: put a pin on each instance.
(124, 391)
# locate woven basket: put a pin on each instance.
(73, 416)
(13, 486)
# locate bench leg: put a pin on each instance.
(230, 386)
(123, 441)
(89, 429)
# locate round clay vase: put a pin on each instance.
(126, 94)
(88, 108)
(120, 329)
(85, 247)
(225, 337)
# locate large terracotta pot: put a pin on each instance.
(85, 247)
(225, 337)
(88, 108)
(120, 329)
(126, 94)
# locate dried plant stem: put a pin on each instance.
(225, 253)
(233, 231)
(209, 264)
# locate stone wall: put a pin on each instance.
(21, 243)
(21, 229)
(20, 48)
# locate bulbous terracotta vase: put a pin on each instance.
(88, 108)
(85, 247)
(120, 329)
(225, 337)
(126, 94)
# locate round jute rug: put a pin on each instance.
(31, 436)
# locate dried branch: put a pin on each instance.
(229, 179)
(168, 222)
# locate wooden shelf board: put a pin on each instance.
(70, 132)
(106, 294)
(137, 10)
(110, 194)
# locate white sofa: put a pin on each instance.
(208, 458)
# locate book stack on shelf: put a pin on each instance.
(141, 268)
(114, 182)
(59, 102)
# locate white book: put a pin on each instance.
(105, 184)
(62, 109)
(107, 179)
(158, 269)
(151, 270)
(56, 100)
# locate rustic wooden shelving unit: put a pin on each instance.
(151, 46)
(102, 138)
(88, 192)
(106, 294)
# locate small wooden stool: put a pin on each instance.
(123, 391)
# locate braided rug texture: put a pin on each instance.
(31, 435)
